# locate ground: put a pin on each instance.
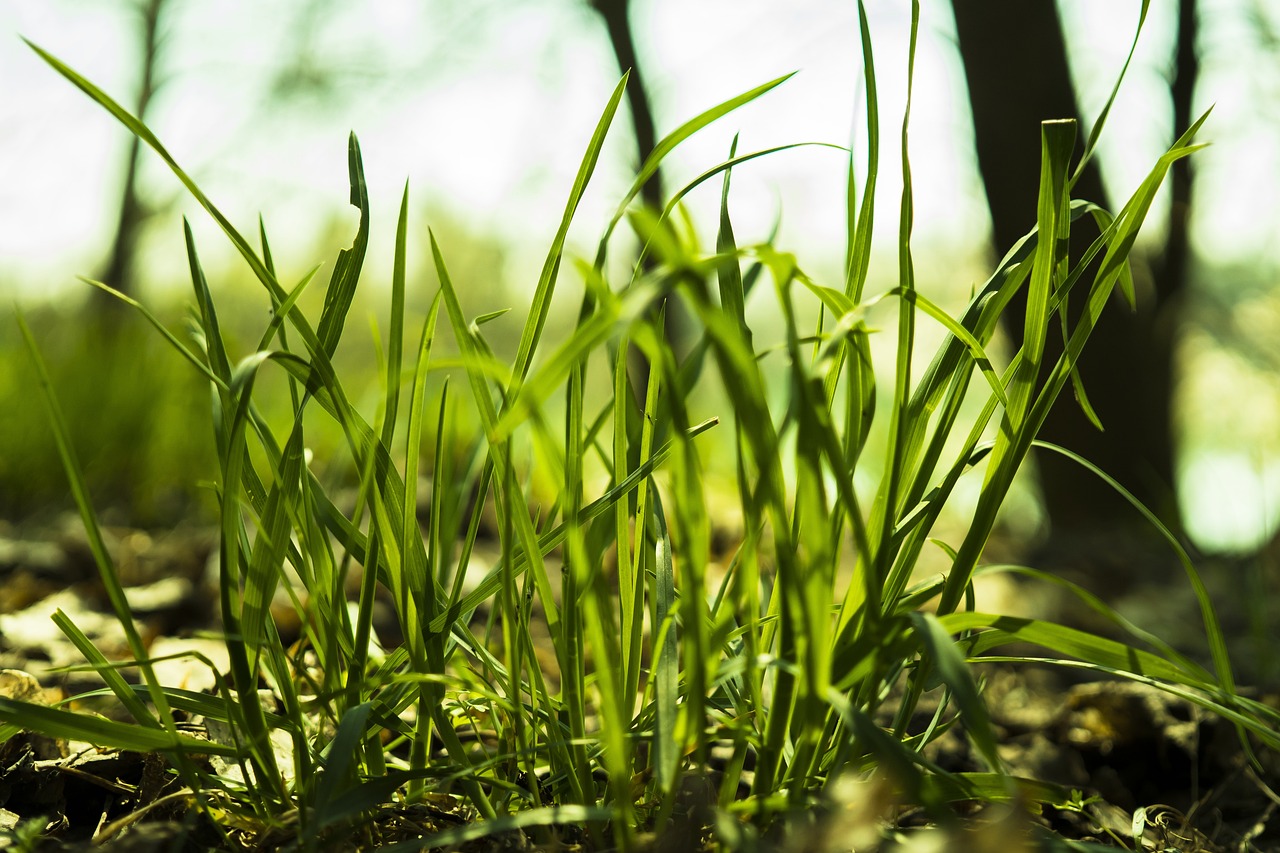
(1128, 748)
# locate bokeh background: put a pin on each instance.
(485, 108)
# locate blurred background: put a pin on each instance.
(486, 107)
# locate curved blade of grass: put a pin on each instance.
(994, 788)
(1002, 630)
(1256, 717)
(891, 485)
(636, 571)
(281, 309)
(669, 142)
(1057, 141)
(673, 204)
(423, 610)
(136, 127)
(214, 707)
(108, 672)
(1096, 132)
(151, 318)
(728, 273)
(954, 672)
(106, 567)
(1097, 605)
(974, 348)
(336, 309)
(614, 707)
(666, 662)
(70, 725)
(630, 582)
(1213, 630)
(395, 335)
(346, 271)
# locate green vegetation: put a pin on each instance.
(135, 416)
(808, 657)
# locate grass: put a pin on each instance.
(131, 436)
(808, 671)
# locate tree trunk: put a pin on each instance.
(617, 20)
(118, 271)
(677, 324)
(1016, 66)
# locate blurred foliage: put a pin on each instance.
(137, 413)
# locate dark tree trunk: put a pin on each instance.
(1016, 65)
(1172, 268)
(677, 326)
(617, 20)
(118, 271)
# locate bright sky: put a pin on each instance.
(486, 108)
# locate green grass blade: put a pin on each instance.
(994, 788)
(532, 333)
(1097, 605)
(974, 348)
(1213, 629)
(346, 272)
(70, 725)
(728, 272)
(889, 496)
(136, 127)
(483, 396)
(858, 252)
(1057, 141)
(423, 608)
(106, 568)
(669, 143)
(107, 671)
(395, 337)
(1096, 132)
(339, 773)
(953, 671)
(665, 655)
(151, 318)
(1002, 630)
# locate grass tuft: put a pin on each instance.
(804, 660)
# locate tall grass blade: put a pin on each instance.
(669, 142)
(106, 568)
(75, 726)
(532, 333)
(346, 272)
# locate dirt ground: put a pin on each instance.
(1126, 747)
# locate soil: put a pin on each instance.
(1129, 749)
